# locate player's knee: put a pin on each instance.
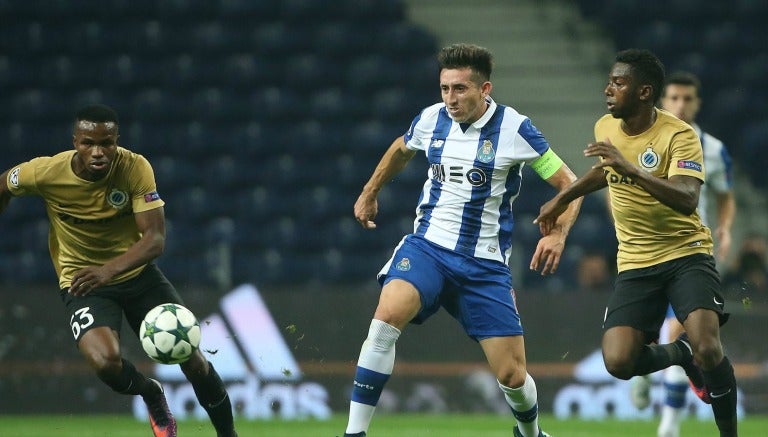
(619, 367)
(397, 317)
(105, 364)
(512, 376)
(708, 352)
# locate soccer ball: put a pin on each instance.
(169, 333)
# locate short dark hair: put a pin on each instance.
(646, 68)
(456, 56)
(683, 78)
(97, 113)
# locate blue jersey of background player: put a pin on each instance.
(456, 257)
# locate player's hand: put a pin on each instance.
(88, 279)
(366, 208)
(546, 259)
(609, 156)
(548, 214)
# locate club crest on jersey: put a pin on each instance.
(117, 198)
(14, 177)
(436, 143)
(648, 160)
(404, 265)
(485, 153)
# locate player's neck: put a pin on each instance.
(639, 122)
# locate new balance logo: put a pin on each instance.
(254, 361)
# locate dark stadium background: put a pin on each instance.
(262, 120)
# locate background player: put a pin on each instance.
(106, 227)
(457, 255)
(681, 98)
(652, 163)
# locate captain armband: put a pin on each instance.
(547, 164)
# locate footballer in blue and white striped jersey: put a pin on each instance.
(474, 176)
(456, 258)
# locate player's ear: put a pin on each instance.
(645, 92)
(486, 88)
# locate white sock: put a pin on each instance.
(669, 426)
(675, 375)
(675, 390)
(523, 400)
(377, 355)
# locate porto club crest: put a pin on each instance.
(485, 153)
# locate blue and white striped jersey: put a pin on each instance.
(474, 176)
(718, 167)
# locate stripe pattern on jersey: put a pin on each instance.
(442, 128)
(474, 176)
(473, 210)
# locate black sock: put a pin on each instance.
(721, 384)
(130, 381)
(212, 395)
(660, 356)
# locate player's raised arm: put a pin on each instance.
(393, 161)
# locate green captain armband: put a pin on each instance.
(547, 164)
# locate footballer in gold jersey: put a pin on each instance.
(92, 221)
(106, 228)
(652, 164)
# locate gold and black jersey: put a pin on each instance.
(648, 231)
(91, 222)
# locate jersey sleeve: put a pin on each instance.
(143, 188)
(533, 137)
(687, 155)
(22, 179)
(420, 132)
(529, 143)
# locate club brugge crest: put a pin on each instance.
(117, 198)
(648, 160)
(485, 153)
(404, 265)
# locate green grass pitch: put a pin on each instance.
(383, 426)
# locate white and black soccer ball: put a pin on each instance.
(169, 333)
